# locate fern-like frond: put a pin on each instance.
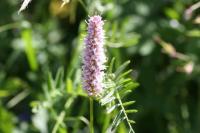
(117, 86)
(59, 97)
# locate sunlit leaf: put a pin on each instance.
(24, 5)
(29, 49)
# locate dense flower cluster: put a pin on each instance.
(94, 57)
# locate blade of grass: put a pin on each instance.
(29, 49)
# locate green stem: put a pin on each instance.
(9, 26)
(91, 116)
(123, 109)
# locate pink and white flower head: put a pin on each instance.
(94, 57)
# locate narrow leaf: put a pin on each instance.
(111, 65)
(121, 68)
(119, 121)
(59, 77)
(108, 95)
(131, 121)
(128, 103)
(110, 109)
(116, 120)
(124, 92)
(131, 86)
(69, 85)
(29, 49)
(124, 74)
(50, 81)
(131, 111)
(108, 100)
(108, 85)
(127, 80)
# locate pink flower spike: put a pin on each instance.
(94, 57)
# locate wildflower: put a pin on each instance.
(94, 57)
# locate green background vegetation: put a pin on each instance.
(161, 38)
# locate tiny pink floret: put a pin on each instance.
(94, 57)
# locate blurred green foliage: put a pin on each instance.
(160, 37)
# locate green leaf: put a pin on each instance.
(69, 85)
(171, 13)
(59, 77)
(109, 85)
(128, 85)
(124, 92)
(124, 74)
(50, 83)
(110, 109)
(193, 33)
(46, 93)
(110, 69)
(29, 49)
(119, 121)
(4, 93)
(107, 100)
(131, 111)
(116, 120)
(131, 86)
(128, 103)
(124, 81)
(116, 89)
(121, 68)
(131, 121)
(122, 128)
(108, 95)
